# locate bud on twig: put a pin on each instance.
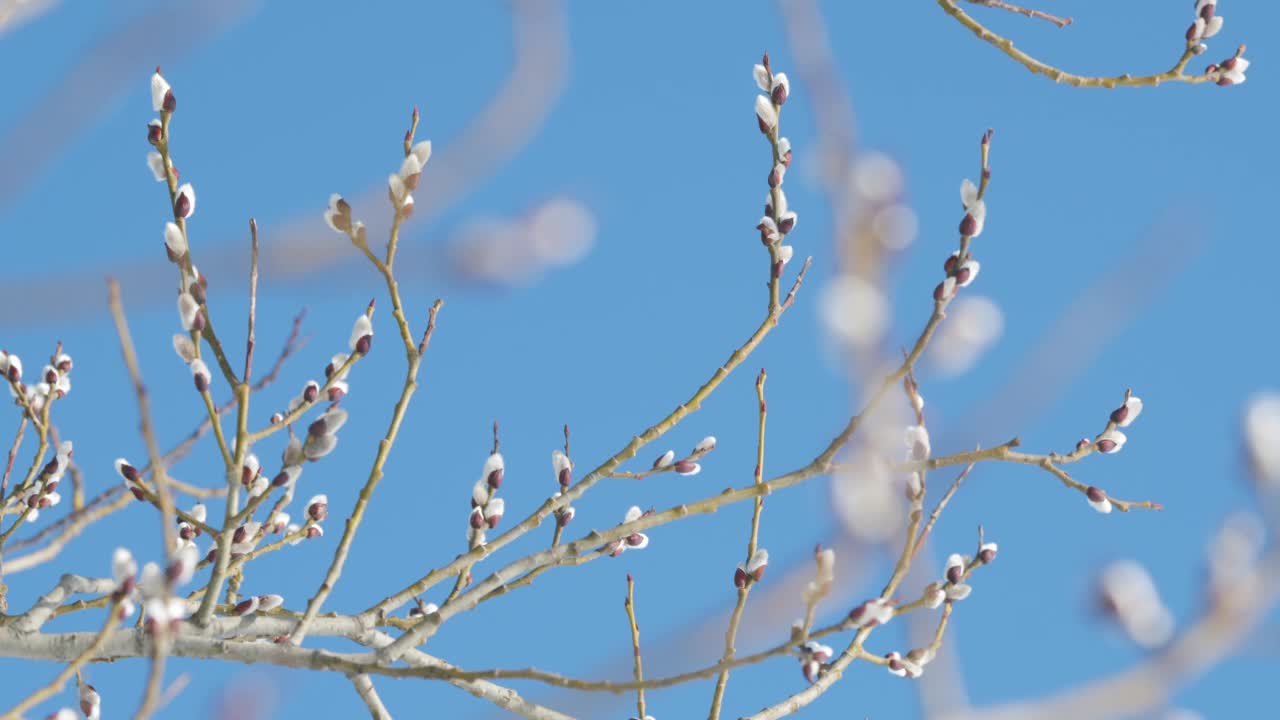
(1098, 500)
(361, 335)
(563, 468)
(162, 99)
(318, 508)
(493, 470)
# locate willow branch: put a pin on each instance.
(413, 354)
(1005, 45)
(735, 618)
(548, 507)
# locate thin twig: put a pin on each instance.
(158, 474)
(253, 298)
(1034, 14)
(635, 645)
(942, 504)
(735, 618)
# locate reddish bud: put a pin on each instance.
(563, 516)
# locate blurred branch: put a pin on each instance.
(16, 13)
(72, 104)
(301, 247)
(1227, 624)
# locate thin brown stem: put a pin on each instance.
(253, 298)
(1017, 9)
(735, 618)
(158, 474)
(635, 645)
(937, 509)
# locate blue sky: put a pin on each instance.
(650, 129)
